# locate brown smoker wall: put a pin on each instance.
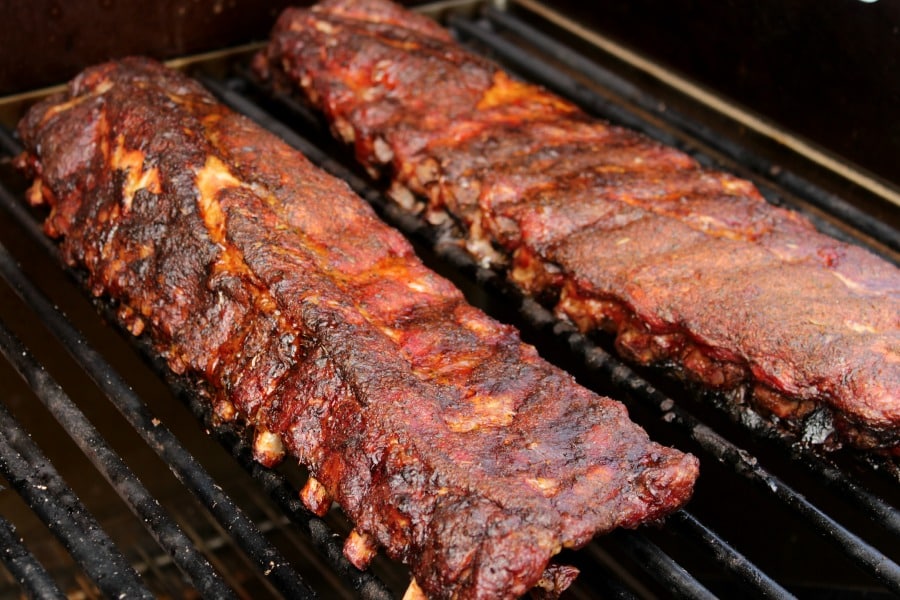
(45, 42)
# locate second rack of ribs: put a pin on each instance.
(444, 438)
(687, 266)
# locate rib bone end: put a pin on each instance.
(555, 580)
(315, 497)
(359, 549)
(267, 447)
(414, 592)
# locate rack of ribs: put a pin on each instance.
(685, 267)
(445, 439)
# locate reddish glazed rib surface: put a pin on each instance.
(444, 437)
(687, 266)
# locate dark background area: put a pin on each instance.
(829, 71)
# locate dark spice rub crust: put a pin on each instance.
(686, 266)
(444, 438)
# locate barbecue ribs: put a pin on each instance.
(444, 438)
(686, 266)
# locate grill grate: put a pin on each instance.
(105, 459)
(30, 473)
(291, 553)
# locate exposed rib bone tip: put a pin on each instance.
(414, 592)
(315, 497)
(267, 447)
(359, 549)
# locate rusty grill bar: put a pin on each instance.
(847, 502)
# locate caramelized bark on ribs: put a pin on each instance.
(445, 438)
(687, 266)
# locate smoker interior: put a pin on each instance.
(161, 501)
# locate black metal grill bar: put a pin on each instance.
(163, 529)
(35, 479)
(726, 556)
(237, 589)
(863, 554)
(8, 144)
(661, 567)
(184, 465)
(879, 511)
(24, 567)
(278, 515)
(838, 207)
(557, 79)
